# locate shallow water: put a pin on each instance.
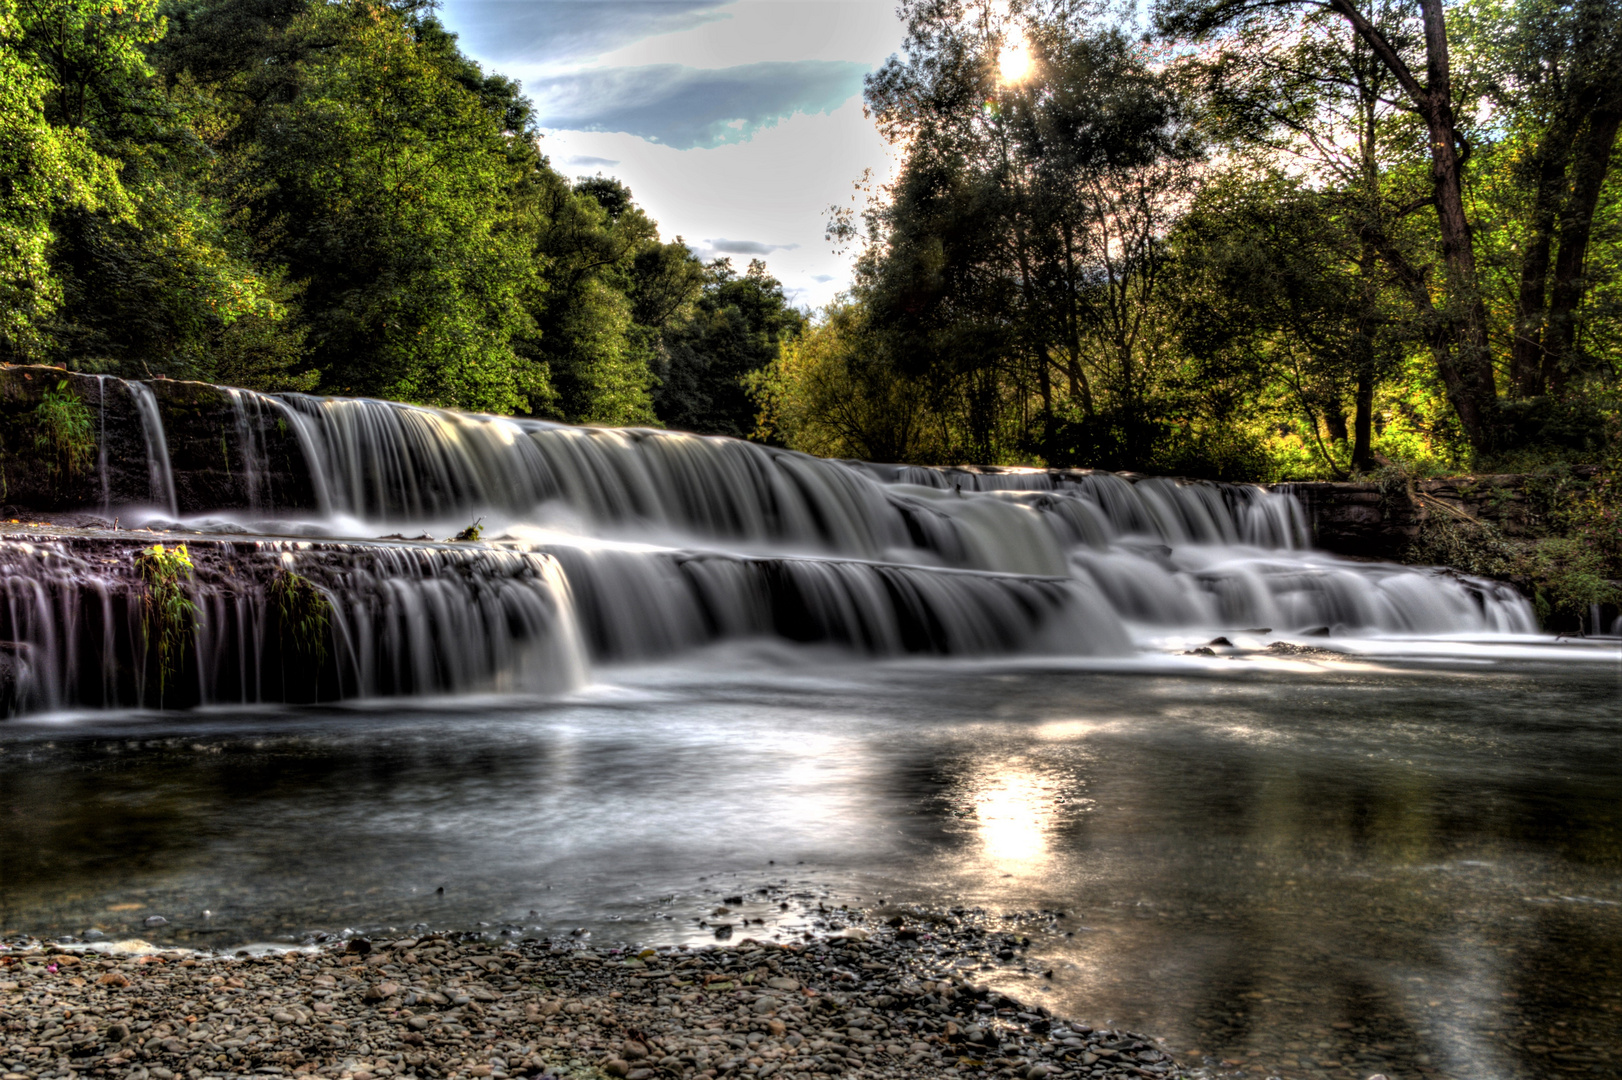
(1385, 865)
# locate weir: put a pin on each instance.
(614, 545)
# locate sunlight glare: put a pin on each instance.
(1014, 812)
(1014, 62)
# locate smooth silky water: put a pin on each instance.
(1377, 832)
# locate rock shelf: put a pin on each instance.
(876, 1001)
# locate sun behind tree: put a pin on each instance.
(1014, 62)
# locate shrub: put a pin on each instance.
(64, 431)
(169, 616)
(303, 615)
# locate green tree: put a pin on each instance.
(736, 327)
(1019, 257)
(832, 391)
(382, 182)
(48, 167)
(1553, 70)
(1419, 62)
(588, 237)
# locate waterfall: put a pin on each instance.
(157, 447)
(620, 545)
(399, 620)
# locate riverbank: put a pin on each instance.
(876, 1000)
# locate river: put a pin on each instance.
(1403, 862)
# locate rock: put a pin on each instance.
(155, 920)
(115, 979)
(759, 1010)
(359, 946)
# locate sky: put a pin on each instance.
(735, 123)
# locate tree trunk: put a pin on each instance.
(1591, 160)
(1363, 346)
(1080, 389)
(1466, 365)
(1526, 357)
(1473, 388)
(1363, 417)
(1335, 424)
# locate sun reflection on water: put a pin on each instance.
(1016, 810)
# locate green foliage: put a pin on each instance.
(1050, 278)
(288, 195)
(832, 392)
(47, 166)
(736, 328)
(169, 616)
(63, 430)
(381, 185)
(469, 535)
(303, 615)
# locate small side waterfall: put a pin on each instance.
(611, 545)
(157, 447)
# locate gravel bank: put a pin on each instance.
(874, 1001)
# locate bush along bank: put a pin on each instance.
(1555, 534)
(881, 1001)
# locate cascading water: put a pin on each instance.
(158, 466)
(622, 544)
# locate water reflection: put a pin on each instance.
(1302, 875)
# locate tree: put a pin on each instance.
(1019, 255)
(831, 391)
(382, 183)
(587, 239)
(1277, 292)
(1553, 69)
(48, 166)
(737, 325)
(1460, 342)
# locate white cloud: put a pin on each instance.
(763, 165)
(753, 31)
(774, 189)
(689, 107)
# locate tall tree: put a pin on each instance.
(737, 326)
(1553, 69)
(382, 183)
(47, 167)
(1020, 252)
(1421, 67)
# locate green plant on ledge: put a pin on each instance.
(170, 616)
(303, 613)
(64, 431)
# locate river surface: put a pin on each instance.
(1294, 869)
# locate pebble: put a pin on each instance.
(883, 1002)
